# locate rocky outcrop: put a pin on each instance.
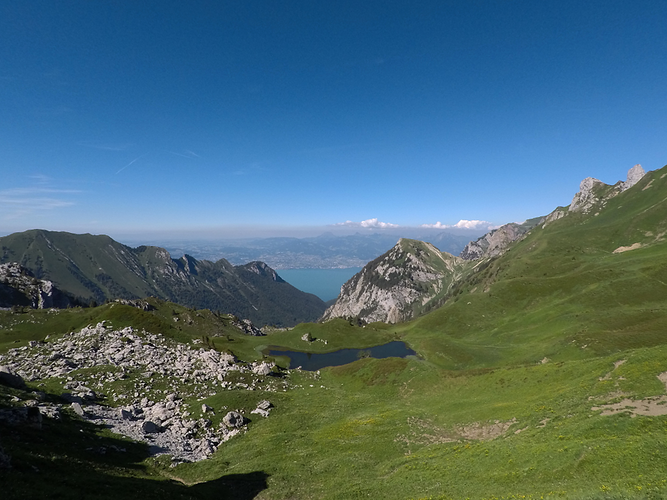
(124, 390)
(594, 193)
(591, 193)
(246, 326)
(142, 304)
(18, 287)
(398, 285)
(559, 213)
(635, 174)
(495, 242)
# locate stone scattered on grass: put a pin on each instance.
(138, 360)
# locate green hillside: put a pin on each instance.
(562, 292)
(543, 376)
(97, 268)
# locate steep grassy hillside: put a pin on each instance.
(584, 285)
(382, 429)
(97, 268)
(542, 377)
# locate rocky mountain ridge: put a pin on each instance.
(374, 295)
(397, 285)
(97, 268)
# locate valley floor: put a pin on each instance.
(395, 428)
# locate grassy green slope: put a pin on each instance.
(375, 428)
(562, 292)
(85, 265)
(479, 417)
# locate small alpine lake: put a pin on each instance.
(315, 361)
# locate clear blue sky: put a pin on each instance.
(121, 116)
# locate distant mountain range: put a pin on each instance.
(96, 268)
(326, 251)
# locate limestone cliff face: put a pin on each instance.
(635, 174)
(18, 287)
(398, 285)
(495, 242)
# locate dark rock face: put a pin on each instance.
(150, 427)
(11, 379)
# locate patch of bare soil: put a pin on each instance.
(424, 433)
(652, 407)
(543, 423)
(634, 246)
(616, 365)
(485, 432)
(647, 185)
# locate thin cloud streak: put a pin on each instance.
(22, 202)
(106, 146)
(462, 224)
(188, 154)
(137, 158)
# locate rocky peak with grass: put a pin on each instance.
(398, 285)
(594, 193)
(495, 242)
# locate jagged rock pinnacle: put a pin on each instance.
(634, 176)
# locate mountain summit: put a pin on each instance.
(404, 282)
(415, 277)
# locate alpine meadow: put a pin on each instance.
(345, 250)
(541, 374)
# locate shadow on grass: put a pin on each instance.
(241, 486)
(71, 458)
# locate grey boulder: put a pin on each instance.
(234, 419)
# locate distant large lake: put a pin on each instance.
(325, 283)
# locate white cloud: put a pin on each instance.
(368, 223)
(462, 224)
